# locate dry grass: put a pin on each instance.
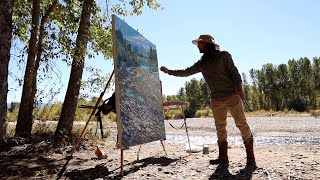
(315, 112)
(272, 113)
(208, 113)
(44, 129)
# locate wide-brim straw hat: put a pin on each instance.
(206, 38)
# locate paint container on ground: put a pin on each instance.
(205, 149)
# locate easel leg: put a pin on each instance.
(163, 147)
(185, 123)
(121, 162)
(138, 153)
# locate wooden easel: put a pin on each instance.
(91, 115)
(161, 141)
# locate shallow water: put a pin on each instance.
(237, 140)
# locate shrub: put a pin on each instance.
(206, 112)
(298, 105)
(11, 127)
(48, 113)
(13, 114)
(112, 116)
(173, 114)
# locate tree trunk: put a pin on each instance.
(24, 122)
(44, 19)
(30, 92)
(65, 124)
(6, 7)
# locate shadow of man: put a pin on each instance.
(246, 173)
(222, 172)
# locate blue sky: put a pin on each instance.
(254, 32)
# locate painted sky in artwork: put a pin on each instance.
(140, 98)
(132, 35)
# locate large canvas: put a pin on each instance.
(138, 90)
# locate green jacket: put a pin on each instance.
(220, 73)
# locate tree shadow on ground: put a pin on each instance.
(101, 170)
(27, 165)
(222, 172)
(29, 158)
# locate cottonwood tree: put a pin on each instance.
(25, 118)
(69, 105)
(283, 85)
(254, 91)
(5, 46)
(316, 79)
(287, 86)
(51, 37)
(181, 94)
(65, 124)
(193, 94)
(205, 93)
(306, 83)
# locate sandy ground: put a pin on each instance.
(285, 160)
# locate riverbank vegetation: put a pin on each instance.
(282, 88)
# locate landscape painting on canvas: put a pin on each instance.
(138, 89)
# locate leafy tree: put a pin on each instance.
(172, 98)
(69, 106)
(306, 83)
(297, 104)
(316, 80)
(6, 7)
(193, 96)
(287, 86)
(270, 87)
(293, 71)
(24, 122)
(255, 93)
(204, 93)
(316, 74)
(181, 94)
(260, 75)
(283, 85)
(246, 87)
(51, 38)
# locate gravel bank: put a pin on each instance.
(260, 125)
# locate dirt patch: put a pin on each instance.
(293, 161)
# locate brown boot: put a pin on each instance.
(250, 155)
(223, 154)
